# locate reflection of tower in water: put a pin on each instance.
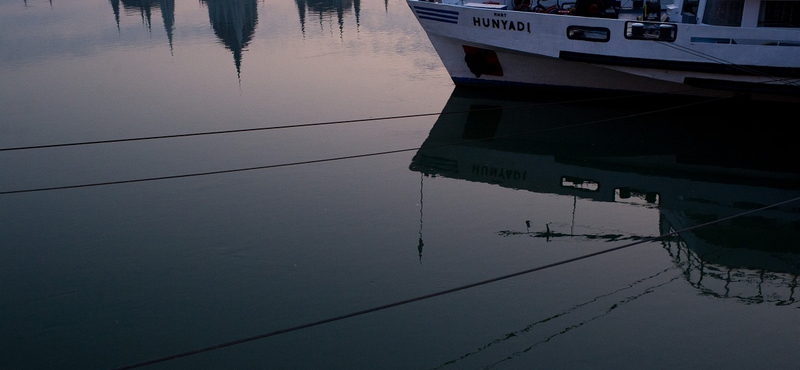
(145, 9)
(26, 3)
(234, 22)
(326, 8)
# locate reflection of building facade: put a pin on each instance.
(234, 22)
(145, 9)
(689, 173)
(325, 9)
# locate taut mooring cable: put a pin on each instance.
(332, 159)
(317, 124)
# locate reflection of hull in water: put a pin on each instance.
(647, 161)
(748, 275)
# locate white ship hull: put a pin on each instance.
(483, 46)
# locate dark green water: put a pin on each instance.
(104, 276)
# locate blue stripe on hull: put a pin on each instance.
(438, 19)
(436, 10)
(438, 15)
(453, 17)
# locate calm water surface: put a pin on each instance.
(96, 277)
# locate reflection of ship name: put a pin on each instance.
(498, 172)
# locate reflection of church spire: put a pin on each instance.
(357, 9)
(301, 8)
(145, 8)
(168, 14)
(115, 7)
(340, 18)
(26, 3)
(234, 22)
(326, 8)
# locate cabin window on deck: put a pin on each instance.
(689, 11)
(779, 14)
(723, 12)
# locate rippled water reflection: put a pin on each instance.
(104, 276)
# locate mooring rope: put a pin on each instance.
(746, 69)
(327, 123)
(347, 157)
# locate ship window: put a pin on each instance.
(690, 6)
(636, 197)
(596, 34)
(579, 183)
(651, 31)
(689, 12)
(723, 12)
(779, 14)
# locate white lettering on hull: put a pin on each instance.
(499, 173)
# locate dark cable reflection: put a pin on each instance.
(529, 328)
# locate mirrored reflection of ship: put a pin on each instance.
(324, 10)
(690, 164)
